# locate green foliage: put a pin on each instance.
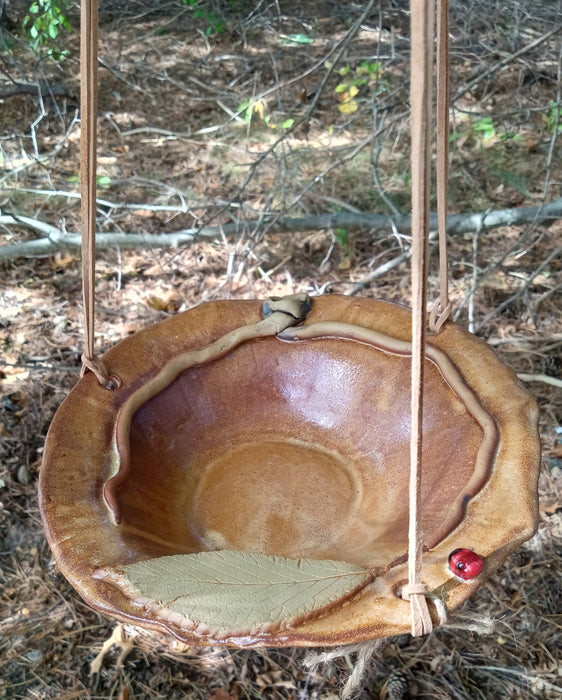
(43, 24)
(215, 24)
(486, 130)
(104, 181)
(250, 108)
(554, 118)
(295, 39)
(354, 79)
(343, 239)
(485, 127)
(286, 124)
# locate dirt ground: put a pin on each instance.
(237, 112)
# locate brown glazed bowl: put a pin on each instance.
(294, 445)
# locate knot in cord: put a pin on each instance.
(95, 364)
(411, 589)
(438, 316)
(419, 611)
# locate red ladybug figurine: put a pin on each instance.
(465, 563)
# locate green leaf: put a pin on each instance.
(484, 124)
(297, 39)
(240, 591)
(288, 123)
(104, 180)
(486, 127)
(341, 235)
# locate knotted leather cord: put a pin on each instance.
(88, 147)
(442, 309)
(421, 69)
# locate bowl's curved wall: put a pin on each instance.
(295, 449)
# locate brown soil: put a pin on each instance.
(175, 140)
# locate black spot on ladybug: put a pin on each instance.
(465, 563)
(455, 551)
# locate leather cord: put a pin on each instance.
(442, 309)
(88, 148)
(421, 70)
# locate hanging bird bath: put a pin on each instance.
(268, 475)
(282, 439)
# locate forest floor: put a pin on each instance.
(211, 117)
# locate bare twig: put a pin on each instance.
(525, 339)
(378, 126)
(41, 367)
(475, 242)
(43, 158)
(318, 64)
(518, 246)
(555, 127)
(177, 209)
(36, 224)
(379, 272)
(522, 674)
(534, 305)
(555, 254)
(167, 133)
(506, 61)
(544, 378)
(341, 48)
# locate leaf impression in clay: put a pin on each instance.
(231, 592)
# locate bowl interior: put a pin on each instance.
(298, 449)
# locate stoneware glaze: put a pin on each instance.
(294, 445)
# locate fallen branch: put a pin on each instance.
(43, 90)
(56, 240)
